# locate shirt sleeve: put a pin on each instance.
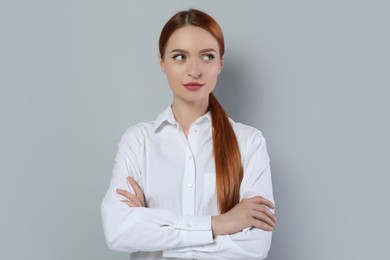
(250, 243)
(131, 229)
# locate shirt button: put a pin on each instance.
(189, 225)
(196, 130)
(190, 157)
(190, 185)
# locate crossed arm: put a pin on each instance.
(251, 212)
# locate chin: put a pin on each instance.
(193, 97)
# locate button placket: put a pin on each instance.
(190, 173)
(188, 184)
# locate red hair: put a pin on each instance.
(227, 157)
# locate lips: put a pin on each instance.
(193, 85)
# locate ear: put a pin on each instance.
(161, 61)
(222, 62)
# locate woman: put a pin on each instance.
(193, 183)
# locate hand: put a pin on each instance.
(137, 200)
(251, 212)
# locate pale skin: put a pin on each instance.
(192, 55)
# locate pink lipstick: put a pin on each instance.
(193, 85)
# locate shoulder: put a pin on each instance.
(249, 138)
(143, 131)
(139, 130)
(135, 135)
(245, 132)
(252, 143)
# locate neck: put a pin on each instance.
(186, 113)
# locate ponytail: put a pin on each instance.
(228, 166)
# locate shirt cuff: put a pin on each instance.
(195, 230)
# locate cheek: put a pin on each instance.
(213, 71)
(173, 72)
(174, 79)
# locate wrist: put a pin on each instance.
(215, 225)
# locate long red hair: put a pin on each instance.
(227, 157)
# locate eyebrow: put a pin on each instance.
(201, 51)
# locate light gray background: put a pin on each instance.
(312, 75)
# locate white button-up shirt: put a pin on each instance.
(177, 175)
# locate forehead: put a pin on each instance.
(192, 38)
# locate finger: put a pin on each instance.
(135, 202)
(265, 210)
(263, 201)
(129, 203)
(137, 189)
(132, 203)
(263, 218)
(259, 224)
(124, 193)
(127, 194)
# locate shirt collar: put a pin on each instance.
(167, 116)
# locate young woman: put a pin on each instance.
(193, 183)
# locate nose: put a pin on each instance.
(194, 69)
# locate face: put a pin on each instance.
(192, 64)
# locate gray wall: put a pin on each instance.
(312, 75)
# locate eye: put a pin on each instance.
(208, 57)
(179, 57)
